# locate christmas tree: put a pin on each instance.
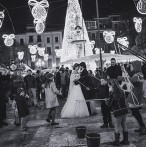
(76, 42)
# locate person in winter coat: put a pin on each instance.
(51, 93)
(106, 111)
(136, 95)
(117, 101)
(20, 103)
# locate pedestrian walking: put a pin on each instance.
(51, 100)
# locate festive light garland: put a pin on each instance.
(138, 24)
(20, 55)
(141, 6)
(33, 49)
(39, 9)
(97, 51)
(123, 41)
(33, 58)
(8, 39)
(39, 26)
(41, 51)
(112, 51)
(46, 57)
(109, 36)
(2, 15)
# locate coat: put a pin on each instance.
(118, 106)
(136, 100)
(22, 106)
(51, 96)
(85, 79)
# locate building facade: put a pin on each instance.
(117, 23)
(50, 40)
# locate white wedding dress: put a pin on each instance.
(75, 106)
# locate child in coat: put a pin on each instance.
(20, 104)
(51, 93)
(117, 101)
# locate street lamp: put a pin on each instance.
(40, 63)
(97, 11)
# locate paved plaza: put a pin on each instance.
(64, 135)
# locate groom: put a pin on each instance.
(85, 84)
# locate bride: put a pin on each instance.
(75, 106)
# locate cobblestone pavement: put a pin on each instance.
(64, 135)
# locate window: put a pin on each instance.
(115, 26)
(21, 41)
(49, 62)
(56, 47)
(39, 39)
(93, 35)
(48, 40)
(49, 50)
(56, 39)
(30, 39)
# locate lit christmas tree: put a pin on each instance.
(76, 42)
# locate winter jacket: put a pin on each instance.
(118, 106)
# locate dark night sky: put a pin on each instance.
(57, 11)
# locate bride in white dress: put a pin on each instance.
(75, 106)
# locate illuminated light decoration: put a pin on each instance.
(2, 15)
(20, 55)
(39, 11)
(39, 26)
(109, 36)
(97, 51)
(75, 39)
(141, 6)
(138, 24)
(8, 39)
(41, 51)
(58, 52)
(123, 41)
(46, 57)
(33, 49)
(112, 51)
(92, 44)
(33, 58)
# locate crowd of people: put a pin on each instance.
(119, 88)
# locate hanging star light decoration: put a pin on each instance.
(2, 15)
(141, 6)
(109, 36)
(8, 39)
(92, 44)
(138, 24)
(33, 58)
(123, 41)
(46, 57)
(41, 51)
(33, 49)
(39, 26)
(20, 55)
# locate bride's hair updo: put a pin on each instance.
(75, 65)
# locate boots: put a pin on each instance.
(125, 139)
(116, 142)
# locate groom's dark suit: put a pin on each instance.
(85, 80)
